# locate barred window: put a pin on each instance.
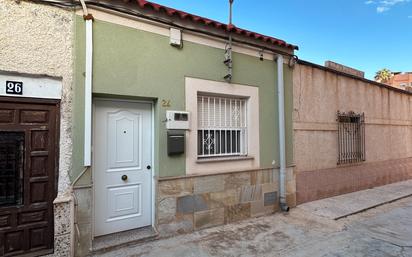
(222, 126)
(11, 168)
(351, 137)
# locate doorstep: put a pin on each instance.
(115, 241)
(342, 206)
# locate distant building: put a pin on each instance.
(401, 80)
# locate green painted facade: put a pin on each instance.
(134, 64)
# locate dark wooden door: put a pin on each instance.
(28, 170)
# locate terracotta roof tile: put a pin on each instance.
(204, 21)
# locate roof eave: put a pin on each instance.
(192, 22)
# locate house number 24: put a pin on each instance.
(166, 103)
(14, 87)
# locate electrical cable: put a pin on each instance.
(71, 4)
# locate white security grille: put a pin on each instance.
(222, 126)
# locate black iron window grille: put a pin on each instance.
(351, 137)
(11, 168)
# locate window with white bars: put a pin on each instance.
(222, 126)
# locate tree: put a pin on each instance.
(383, 75)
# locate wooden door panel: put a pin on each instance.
(39, 140)
(26, 228)
(38, 237)
(13, 242)
(39, 166)
(34, 116)
(32, 217)
(38, 192)
(5, 221)
(6, 116)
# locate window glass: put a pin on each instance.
(11, 168)
(222, 126)
(351, 137)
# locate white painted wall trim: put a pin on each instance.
(88, 94)
(154, 196)
(193, 86)
(35, 87)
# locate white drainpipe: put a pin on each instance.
(88, 86)
(282, 146)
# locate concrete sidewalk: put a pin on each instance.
(385, 231)
(345, 205)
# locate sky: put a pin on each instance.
(364, 34)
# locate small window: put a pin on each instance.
(11, 168)
(351, 137)
(222, 126)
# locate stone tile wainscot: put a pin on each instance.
(187, 204)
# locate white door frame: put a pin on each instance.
(152, 172)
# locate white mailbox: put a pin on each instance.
(177, 120)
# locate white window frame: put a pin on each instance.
(215, 165)
(222, 126)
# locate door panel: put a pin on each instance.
(28, 153)
(124, 127)
(122, 151)
(124, 202)
(6, 116)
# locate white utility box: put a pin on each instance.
(177, 120)
(175, 37)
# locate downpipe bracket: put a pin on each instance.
(284, 207)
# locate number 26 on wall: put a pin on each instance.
(14, 87)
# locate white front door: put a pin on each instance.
(122, 166)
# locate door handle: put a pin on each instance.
(124, 177)
(149, 167)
